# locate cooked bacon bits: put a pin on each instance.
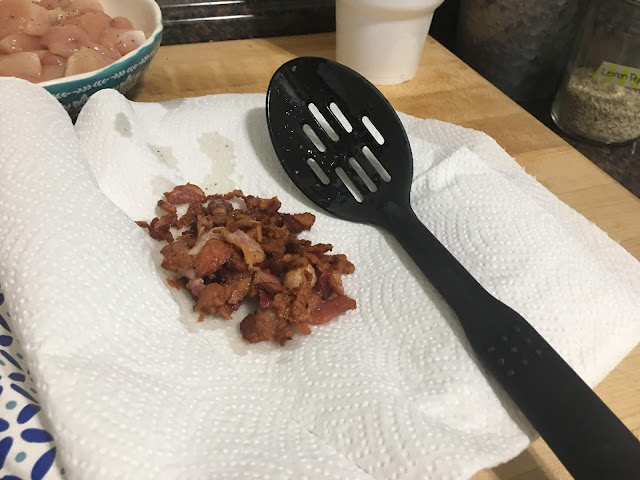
(182, 194)
(213, 255)
(224, 255)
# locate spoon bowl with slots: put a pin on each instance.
(339, 151)
(343, 145)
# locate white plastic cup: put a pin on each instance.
(383, 39)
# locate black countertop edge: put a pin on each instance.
(215, 20)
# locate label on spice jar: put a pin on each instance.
(609, 72)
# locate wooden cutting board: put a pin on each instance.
(447, 89)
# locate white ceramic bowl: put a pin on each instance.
(74, 91)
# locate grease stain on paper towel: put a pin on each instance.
(220, 150)
(173, 104)
(165, 155)
(123, 125)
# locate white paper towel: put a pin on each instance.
(135, 388)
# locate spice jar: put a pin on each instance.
(599, 98)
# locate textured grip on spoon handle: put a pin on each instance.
(582, 431)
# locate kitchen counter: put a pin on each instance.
(447, 89)
(622, 162)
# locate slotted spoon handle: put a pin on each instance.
(582, 431)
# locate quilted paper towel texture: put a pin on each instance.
(387, 391)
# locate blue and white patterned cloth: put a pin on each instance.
(27, 449)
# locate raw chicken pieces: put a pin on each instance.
(124, 41)
(19, 42)
(22, 65)
(22, 16)
(66, 40)
(85, 60)
(48, 39)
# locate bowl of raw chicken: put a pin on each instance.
(73, 48)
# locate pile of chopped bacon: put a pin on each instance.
(225, 255)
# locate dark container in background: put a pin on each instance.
(521, 46)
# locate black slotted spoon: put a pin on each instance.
(326, 158)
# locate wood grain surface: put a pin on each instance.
(447, 89)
